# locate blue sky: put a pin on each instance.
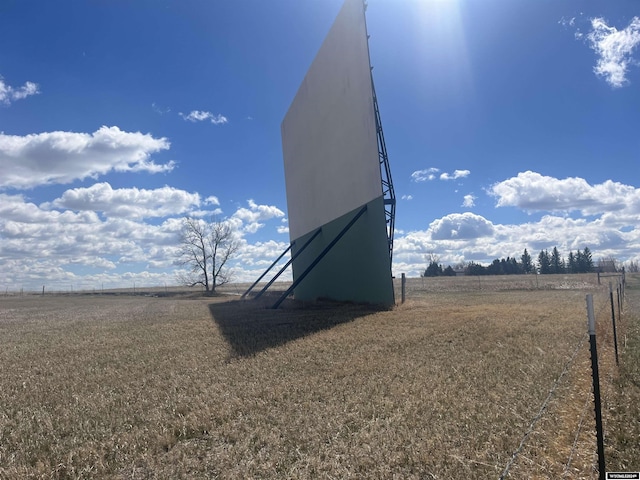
(509, 125)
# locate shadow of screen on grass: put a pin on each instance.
(250, 326)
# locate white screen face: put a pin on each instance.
(329, 137)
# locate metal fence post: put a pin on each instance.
(613, 322)
(596, 386)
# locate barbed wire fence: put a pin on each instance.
(543, 408)
(605, 318)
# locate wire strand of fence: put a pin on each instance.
(567, 466)
(602, 310)
(607, 365)
(543, 408)
(608, 378)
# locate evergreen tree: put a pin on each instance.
(527, 265)
(544, 262)
(433, 270)
(513, 267)
(579, 262)
(557, 265)
(572, 263)
(587, 260)
(495, 268)
(474, 269)
(449, 272)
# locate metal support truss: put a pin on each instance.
(289, 262)
(267, 270)
(385, 173)
(385, 170)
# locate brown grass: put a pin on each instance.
(622, 445)
(444, 386)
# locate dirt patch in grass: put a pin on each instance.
(444, 386)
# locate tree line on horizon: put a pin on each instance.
(547, 263)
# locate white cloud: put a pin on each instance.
(411, 250)
(62, 157)
(251, 219)
(160, 110)
(424, 175)
(531, 191)
(567, 21)
(456, 174)
(218, 119)
(614, 49)
(262, 254)
(9, 94)
(283, 228)
(407, 197)
(59, 237)
(86, 250)
(469, 201)
(255, 258)
(252, 227)
(19, 218)
(609, 226)
(130, 203)
(82, 249)
(430, 174)
(460, 226)
(200, 116)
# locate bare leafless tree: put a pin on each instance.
(205, 249)
(608, 264)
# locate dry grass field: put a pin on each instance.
(446, 385)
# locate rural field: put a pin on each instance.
(472, 377)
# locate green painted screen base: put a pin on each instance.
(357, 268)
